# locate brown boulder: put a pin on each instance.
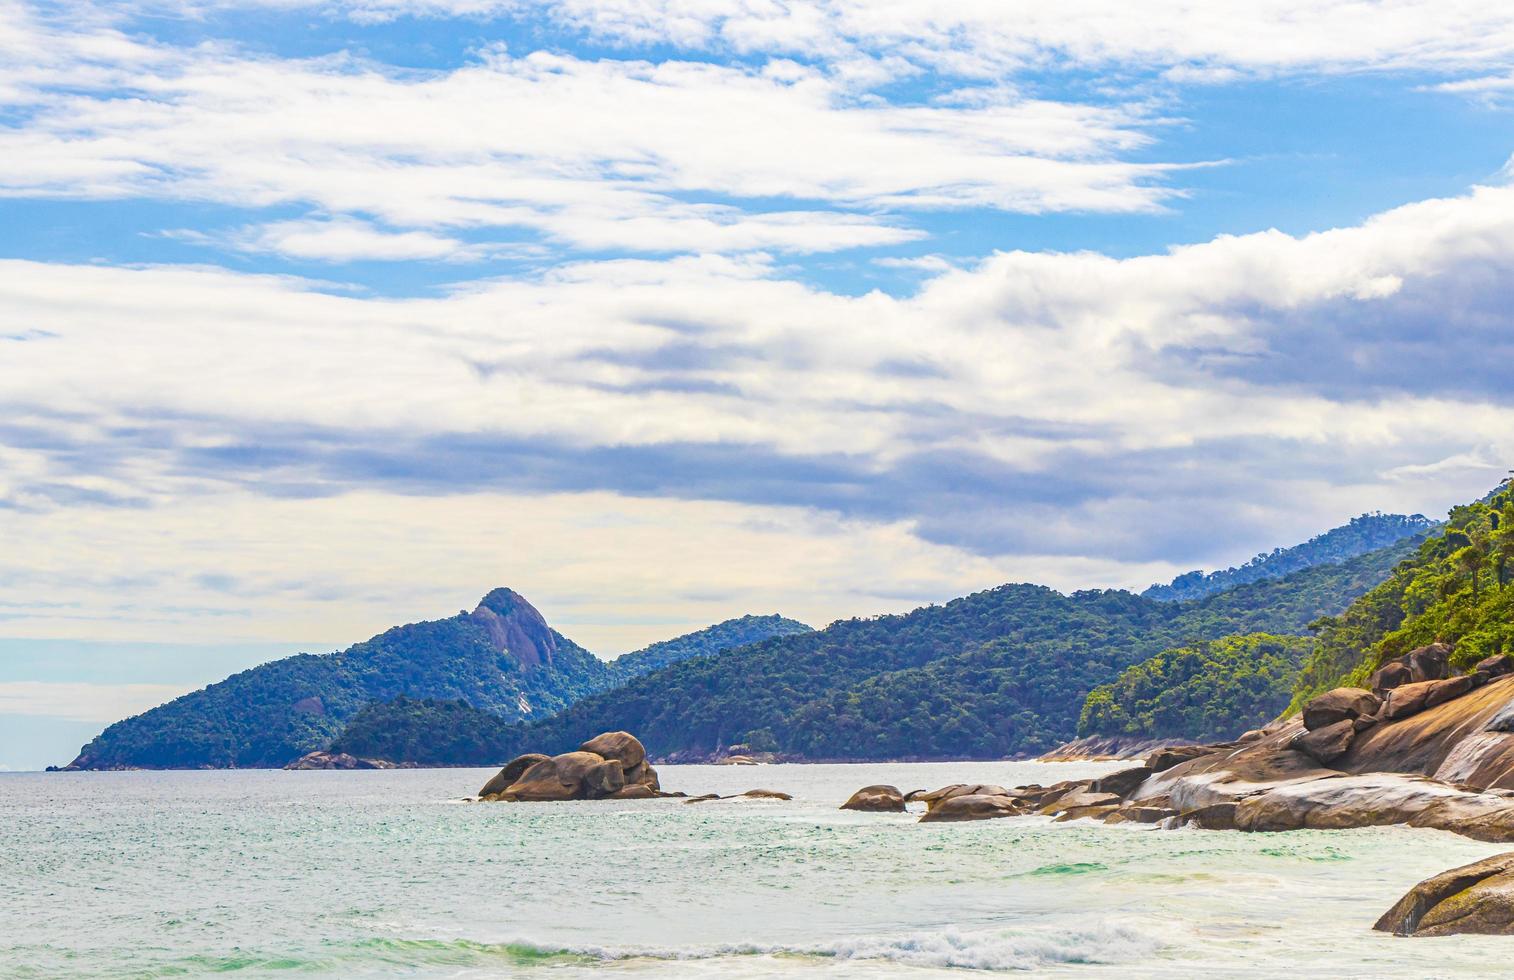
(1094, 812)
(1176, 755)
(1072, 801)
(1215, 816)
(972, 807)
(1495, 666)
(1341, 704)
(642, 774)
(1448, 689)
(1406, 699)
(876, 799)
(620, 746)
(764, 794)
(1475, 898)
(1327, 744)
(633, 791)
(561, 777)
(1389, 676)
(1429, 663)
(511, 772)
(1121, 783)
(602, 780)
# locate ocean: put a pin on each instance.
(369, 874)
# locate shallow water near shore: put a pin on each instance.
(387, 873)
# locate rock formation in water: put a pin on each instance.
(337, 760)
(1475, 898)
(611, 766)
(876, 799)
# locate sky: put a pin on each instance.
(320, 317)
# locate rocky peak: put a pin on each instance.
(514, 626)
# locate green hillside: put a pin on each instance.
(1208, 691)
(701, 643)
(501, 658)
(1454, 587)
(999, 673)
(1369, 532)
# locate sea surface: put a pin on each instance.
(365, 874)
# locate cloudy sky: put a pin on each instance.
(317, 317)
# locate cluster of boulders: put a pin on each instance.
(1108, 798)
(611, 766)
(1401, 687)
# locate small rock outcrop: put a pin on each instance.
(609, 766)
(1475, 898)
(876, 799)
(337, 760)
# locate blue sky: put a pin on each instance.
(318, 317)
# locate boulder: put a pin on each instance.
(620, 746)
(765, 794)
(643, 775)
(1093, 812)
(1341, 704)
(1141, 814)
(511, 772)
(541, 783)
(1446, 690)
(633, 791)
(604, 779)
(1164, 759)
(1214, 816)
(1406, 699)
(1475, 898)
(959, 789)
(1429, 663)
(972, 806)
(1389, 676)
(1072, 801)
(1495, 666)
(1121, 783)
(876, 799)
(1327, 744)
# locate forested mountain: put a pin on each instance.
(1369, 532)
(701, 643)
(998, 673)
(1455, 587)
(1208, 691)
(502, 659)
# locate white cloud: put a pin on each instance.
(83, 701)
(338, 240)
(608, 154)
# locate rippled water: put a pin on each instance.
(386, 873)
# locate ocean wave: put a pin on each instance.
(993, 950)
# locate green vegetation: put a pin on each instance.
(712, 639)
(494, 666)
(1369, 532)
(425, 731)
(1209, 691)
(1454, 587)
(999, 673)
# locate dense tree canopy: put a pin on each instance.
(1208, 691)
(1454, 587)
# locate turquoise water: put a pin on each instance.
(386, 874)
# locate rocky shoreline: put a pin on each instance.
(1422, 748)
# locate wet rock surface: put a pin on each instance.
(1476, 898)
